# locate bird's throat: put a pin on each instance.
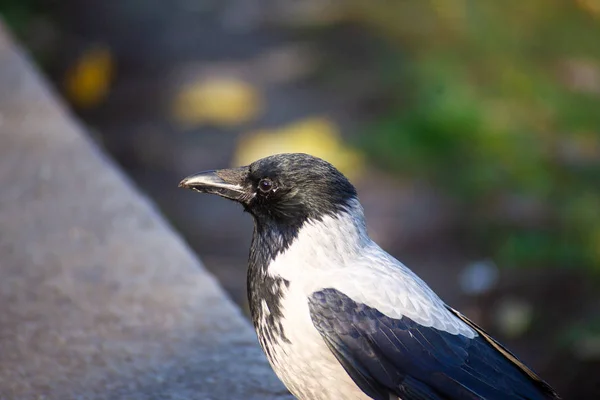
(265, 291)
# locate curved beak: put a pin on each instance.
(226, 183)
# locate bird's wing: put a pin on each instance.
(506, 353)
(386, 355)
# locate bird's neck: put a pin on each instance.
(336, 232)
(279, 251)
(268, 241)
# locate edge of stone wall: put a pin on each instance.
(101, 298)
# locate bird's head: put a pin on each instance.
(283, 189)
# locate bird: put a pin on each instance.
(337, 316)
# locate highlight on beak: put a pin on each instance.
(219, 182)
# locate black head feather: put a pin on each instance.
(281, 192)
(291, 188)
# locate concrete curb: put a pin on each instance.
(100, 298)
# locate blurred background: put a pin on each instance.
(470, 128)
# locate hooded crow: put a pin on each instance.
(337, 316)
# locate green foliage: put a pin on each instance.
(501, 107)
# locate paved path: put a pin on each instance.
(101, 299)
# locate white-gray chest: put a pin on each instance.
(304, 362)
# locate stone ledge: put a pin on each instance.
(101, 299)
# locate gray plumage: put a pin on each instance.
(337, 316)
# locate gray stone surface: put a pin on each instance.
(100, 298)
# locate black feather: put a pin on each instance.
(415, 362)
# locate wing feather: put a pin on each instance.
(506, 353)
(399, 356)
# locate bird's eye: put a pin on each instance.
(265, 185)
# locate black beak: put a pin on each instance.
(227, 183)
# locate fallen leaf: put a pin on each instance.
(87, 82)
(317, 136)
(221, 101)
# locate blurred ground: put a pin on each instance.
(175, 87)
(88, 313)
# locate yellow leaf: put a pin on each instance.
(317, 136)
(87, 82)
(220, 101)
